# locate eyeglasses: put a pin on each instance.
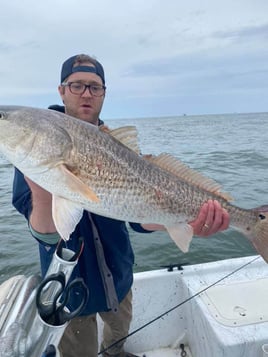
(78, 88)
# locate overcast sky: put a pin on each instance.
(161, 58)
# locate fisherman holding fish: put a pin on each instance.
(106, 266)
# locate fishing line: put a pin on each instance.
(179, 305)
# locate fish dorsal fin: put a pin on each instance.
(183, 172)
(127, 135)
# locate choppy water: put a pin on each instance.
(232, 149)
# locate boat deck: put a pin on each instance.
(167, 352)
(225, 319)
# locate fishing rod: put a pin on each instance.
(180, 304)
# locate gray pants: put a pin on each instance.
(81, 335)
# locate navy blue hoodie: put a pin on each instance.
(116, 245)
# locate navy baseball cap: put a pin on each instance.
(68, 68)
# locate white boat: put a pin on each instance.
(216, 309)
(219, 309)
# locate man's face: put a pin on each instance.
(83, 106)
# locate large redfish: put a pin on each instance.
(102, 171)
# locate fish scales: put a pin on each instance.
(119, 173)
(84, 167)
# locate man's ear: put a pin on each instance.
(61, 90)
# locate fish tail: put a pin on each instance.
(260, 233)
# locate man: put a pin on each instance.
(82, 91)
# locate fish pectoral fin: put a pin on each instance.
(66, 214)
(76, 185)
(182, 234)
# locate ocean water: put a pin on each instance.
(230, 148)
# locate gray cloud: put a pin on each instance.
(157, 56)
(202, 63)
(245, 33)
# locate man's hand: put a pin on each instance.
(212, 218)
